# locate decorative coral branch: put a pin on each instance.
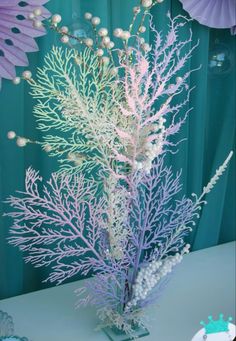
(63, 223)
(126, 225)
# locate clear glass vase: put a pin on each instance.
(115, 334)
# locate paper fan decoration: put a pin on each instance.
(213, 13)
(17, 33)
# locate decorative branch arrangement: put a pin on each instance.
(114, 208)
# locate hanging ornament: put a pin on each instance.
(20, 23)
(220, 59)
(81, 28)
(213, 13)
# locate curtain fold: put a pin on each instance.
(210, 130)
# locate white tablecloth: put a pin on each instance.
(203, 284)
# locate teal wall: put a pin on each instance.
(210, 131)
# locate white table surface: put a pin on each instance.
(203, 284)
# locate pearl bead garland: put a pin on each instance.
(146, 47)
(65, 39)
(103, 32)
(111, 45)
(47, 148)
(146, 3)
(118, 32)
(153, 149)
(95, 21)
(88, 42)
(21, 142)
(31, 16)
(56, 19)
(218, 173)
(27, 75)
(149, 276)
(141, 41)
(125, 35)
(106, 41)
(105, 60)
(37, 23)
(179, 79)
(64, 29)
(37, 12)
(142, 29)
(11, 135)
(88, 16)
(100, 52)
(136, 10)
(16, 80)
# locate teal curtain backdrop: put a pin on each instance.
(209, 129)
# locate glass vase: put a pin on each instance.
(115, 334)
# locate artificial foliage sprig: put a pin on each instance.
(114, 210)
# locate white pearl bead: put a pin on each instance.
(11, 135)
(103, 32)
(142, 40)
(159, 1)
(106, 40)
(146, 47)
(21, 142)
(16, 80)
(105, 60)
(65, 39)
(88, 16)
(37, 23)
(118, 32)
(126, 35)
(100, 52)
(136, 10)
(37, 12)
(142, 29)
(96, 21)
(179, 79)
(47, 148)
(31, 16)
(111, 45)
(64, 29)
(88, 42)
(56, 19)
(146, 3)
(27, 74)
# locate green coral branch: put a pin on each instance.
(76, 104)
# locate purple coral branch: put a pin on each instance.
(65, 205)
(154, 192)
